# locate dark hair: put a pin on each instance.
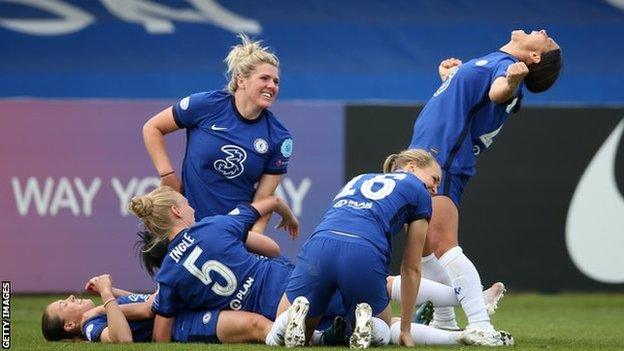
(543, 75)
(52, 328)
(152, 255)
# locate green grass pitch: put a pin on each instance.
(538, 322)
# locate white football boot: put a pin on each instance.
(295, 328)
(362, 333)
(492, 296)
(480, 337)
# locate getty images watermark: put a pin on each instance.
(6, 314)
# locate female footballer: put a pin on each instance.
(458, 123)
(233, 140)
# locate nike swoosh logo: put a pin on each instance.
(594, 227)
(214, 127)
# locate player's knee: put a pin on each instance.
(258, 325)
(444, 247)
(441, 236)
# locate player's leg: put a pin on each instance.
(291, 325)
(311, 286)
(331, 331)
(275, 337)
(380, 335)
(217, 326)
(465, 278)
(425, 335)
(443, 295)
(369, 330)
(362, 284)
(242, 327)
(443, 317)
(335, 331)
(438, 294)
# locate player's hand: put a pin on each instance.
(173, 181)
(90, 287)
(100, 284)
(290, 224)
(445, 67)
(405, 339)
(516, 73)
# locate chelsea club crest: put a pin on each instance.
(261, 145)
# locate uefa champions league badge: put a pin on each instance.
(286, 148)
(261, 145)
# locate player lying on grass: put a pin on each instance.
(74, 318)
(126, 317)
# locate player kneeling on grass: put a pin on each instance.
(349, 251)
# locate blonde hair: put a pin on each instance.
(154, 211)
(420, 157)
(244, 58)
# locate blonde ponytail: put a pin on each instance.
(419, 157)
(153, 210)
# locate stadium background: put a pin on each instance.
(78, 79)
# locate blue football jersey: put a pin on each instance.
(460, 120)
(141, 330)
(208, 267)
(376, 206)
(225, 153)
